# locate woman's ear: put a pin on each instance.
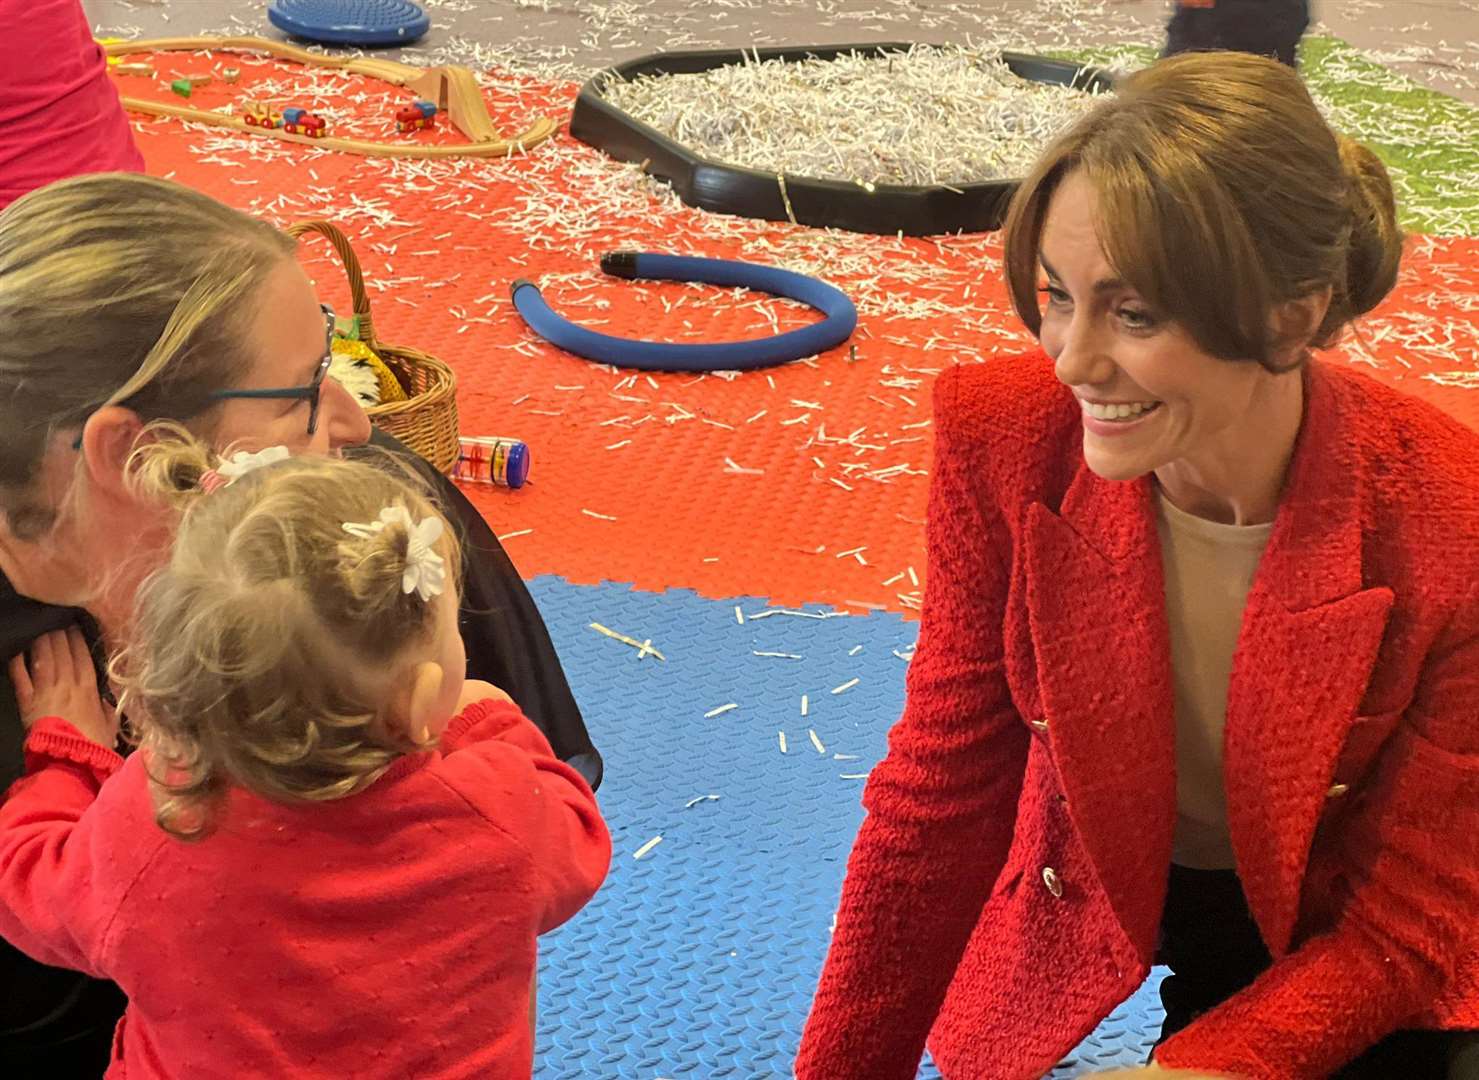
(108, 438)
(1293, 325)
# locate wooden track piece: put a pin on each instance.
(454, 90)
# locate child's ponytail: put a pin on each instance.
(374, 566)
(168, 463)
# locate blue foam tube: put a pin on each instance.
(841, 316)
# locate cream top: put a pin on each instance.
(1209, 568)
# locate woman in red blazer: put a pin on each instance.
(1061, 807)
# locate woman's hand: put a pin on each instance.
(60, 680)
(475, 690)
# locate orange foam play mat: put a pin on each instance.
(804, 483)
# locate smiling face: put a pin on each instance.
(1152, 399)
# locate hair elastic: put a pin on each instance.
(239, 464)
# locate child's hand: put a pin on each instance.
(475, 690)
(61, 681)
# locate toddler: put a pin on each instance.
(330, 856)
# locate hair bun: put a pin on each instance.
(1376, 240)
(373, 565)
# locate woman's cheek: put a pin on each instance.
(1051, 335)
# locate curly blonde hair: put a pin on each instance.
(261, 650)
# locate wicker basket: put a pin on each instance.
(427, 420)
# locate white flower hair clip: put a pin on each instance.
(426, 571)
(239, 464)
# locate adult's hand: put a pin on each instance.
(60, 680)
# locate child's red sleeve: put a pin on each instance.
(503, 766)
(51, 848)
(493, 719)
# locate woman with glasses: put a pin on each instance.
(126, 299)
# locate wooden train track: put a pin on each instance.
(454, 90)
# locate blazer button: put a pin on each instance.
(1337, 790)
(1039, 726)
(1052, 881)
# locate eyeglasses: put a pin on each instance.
(311, 393)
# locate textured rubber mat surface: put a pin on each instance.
(699, 959)
(804, 484)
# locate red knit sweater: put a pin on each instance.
(388, 934)
(1005, 890)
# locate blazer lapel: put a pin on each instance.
(1096, 609)
(1310, 638)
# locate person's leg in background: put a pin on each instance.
(60, 114)
(1265, 27)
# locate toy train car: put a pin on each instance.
(417, 115)
(302, 122)
(257, 114)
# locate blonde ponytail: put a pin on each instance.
(372, 568)
(167, 464)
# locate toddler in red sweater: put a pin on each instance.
(330, 856)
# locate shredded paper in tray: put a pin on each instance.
(932, 116)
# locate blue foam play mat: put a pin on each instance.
(699, 959)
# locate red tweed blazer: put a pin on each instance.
(1005, 890)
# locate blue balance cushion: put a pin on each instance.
(350, 22)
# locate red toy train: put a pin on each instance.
(417, 115)
(302, 122)
(295, 120)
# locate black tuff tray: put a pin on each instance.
(836, 204)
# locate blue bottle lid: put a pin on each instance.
(517, 470)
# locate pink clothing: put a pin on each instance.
(59, 111)
(387, 934)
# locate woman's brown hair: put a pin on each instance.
(117, 288)
(1221, 194)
